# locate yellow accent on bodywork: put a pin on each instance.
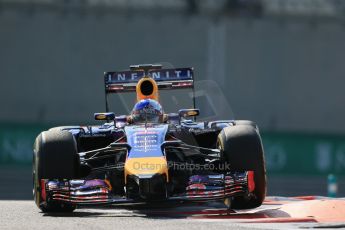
(192, 113)
(101, 117)
(146, 166)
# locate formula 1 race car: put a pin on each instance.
(149, 156)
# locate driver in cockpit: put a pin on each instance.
(147, 111)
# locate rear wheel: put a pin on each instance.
(55, 157)
(242, 148)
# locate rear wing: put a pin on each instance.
(126, 81)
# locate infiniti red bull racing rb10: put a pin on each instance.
(149, 156)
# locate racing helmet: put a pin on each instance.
(147, 111)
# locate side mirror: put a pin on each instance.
(188, 112)
(104, 116)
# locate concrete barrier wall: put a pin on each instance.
(288, 75)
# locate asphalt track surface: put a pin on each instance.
(25, 215)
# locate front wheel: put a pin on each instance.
(55, 157)
(241, 147)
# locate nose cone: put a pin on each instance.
(146, 166)
(146, 178)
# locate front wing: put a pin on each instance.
(99, 192)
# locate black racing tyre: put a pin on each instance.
(55, 157)
(241, 147)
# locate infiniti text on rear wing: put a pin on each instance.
(126, 81)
